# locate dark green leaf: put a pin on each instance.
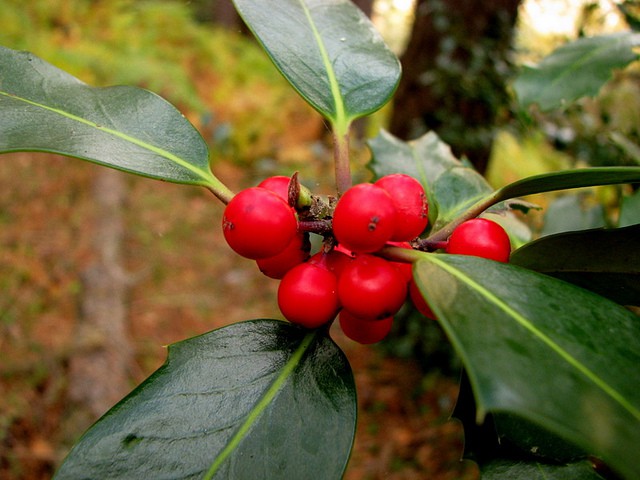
(544, 350)
(630, 210)
(571, 213)
(575, 70)
(329, 51)
(258, 399)
(520, 470)
(45, 109)
(605, 261)
(584, 177)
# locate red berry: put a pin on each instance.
(278, 184)
(481, 238)
(411, 204)
(308, 296)
(419, 302)
(258, 224)
(371, 287)
(364, 218)
(364, 331)
(296, 253)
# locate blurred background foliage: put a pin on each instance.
(218, 77)
(198, 55)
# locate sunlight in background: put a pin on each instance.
(546, 24)
(560, 17)
(393, 18)
(543, 24)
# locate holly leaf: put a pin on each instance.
(44, 109)
(567, 179)
(546, 351)
(257, 399)
(630, 210)
(329, 51)
(576, 69)
(613, 272)
(521, 470)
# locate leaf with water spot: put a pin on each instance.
(257, 399)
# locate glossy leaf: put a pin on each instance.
(257, 399)
(544, 350)
(571, 213)
(630, 210)
(505, 437)
(45, 109)
(329, 51)
(606, 261)
(576, 69)
(567, 179)
(521, 470)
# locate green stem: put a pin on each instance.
(341, 158)
(220, 190)
(398, 254)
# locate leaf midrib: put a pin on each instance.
(522, 321)
(255, 413)
(206, 176)
(340, 121)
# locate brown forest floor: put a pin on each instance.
(186, 282)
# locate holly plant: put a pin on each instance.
(549, 345)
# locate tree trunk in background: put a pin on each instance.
(365, 5)
(455, 70)
(99, 370)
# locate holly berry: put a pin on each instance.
(411, 205)
(419, 302)
(257, 223)
(364, 331)
(278, 184)
(308, 295)
(371, 287)
(364, 218)
(481, 238)
(296, 253)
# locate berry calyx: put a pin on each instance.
(308, 295)
(481, 238)
(364, 218)
(296, 253)
(371, 288)
(364, 331)
(257, 223)
(411, 205)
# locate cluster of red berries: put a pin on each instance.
(346, 279)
